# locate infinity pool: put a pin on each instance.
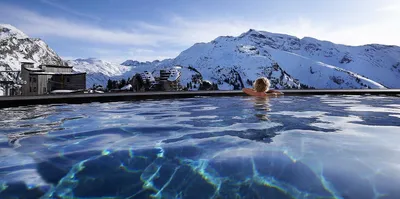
(226, 147)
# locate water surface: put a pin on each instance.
(226, 147)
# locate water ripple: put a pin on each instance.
(289, 147)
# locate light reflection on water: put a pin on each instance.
(228, 147)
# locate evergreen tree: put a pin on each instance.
(215, 87)
(114, 84)
(109, 84)
(122, 83)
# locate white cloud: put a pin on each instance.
(68, 58)
(118, 56)
(393, 7)
(69, 10)
(39, 25)
(383, 30)
(389, 8)
(150, 55)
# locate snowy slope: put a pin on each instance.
(139, 67)
(376, 62)
(93, 65)
(8, 31)
(98, 71)
(230, 65)
(234, 62)
(289, 62)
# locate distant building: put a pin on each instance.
(163, 81)
(48, 78)
(143, 82)
(164, 75)
(169, 80)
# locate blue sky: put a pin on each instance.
(144, 30)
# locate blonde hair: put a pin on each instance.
(262, 84)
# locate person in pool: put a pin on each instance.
(261, 89)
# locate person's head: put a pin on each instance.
(261, 84)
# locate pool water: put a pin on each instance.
(225, 147)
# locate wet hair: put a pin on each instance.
(262, 84)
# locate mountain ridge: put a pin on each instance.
(324, 54)
(17, 47)
(235, 62)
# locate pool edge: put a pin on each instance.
(14, 101)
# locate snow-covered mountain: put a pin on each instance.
(289, 62)
(138, 66)
(130, 62)
(235, 62)
(98, 71)
(7, 31)
(15, 47)
(376, 62)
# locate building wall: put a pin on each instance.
(53, 69)
(164, 74)
(68, 82)
(33, 85)
(42, 85)
(24, 76)
(26, 89)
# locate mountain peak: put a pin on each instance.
(8, 31)
(88, 60)
(130, 62)
(264, 35)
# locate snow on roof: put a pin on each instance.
(63, 91)
(127, 87)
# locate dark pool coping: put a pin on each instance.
(130, 96)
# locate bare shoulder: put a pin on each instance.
(275, 92)
(252, 92)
